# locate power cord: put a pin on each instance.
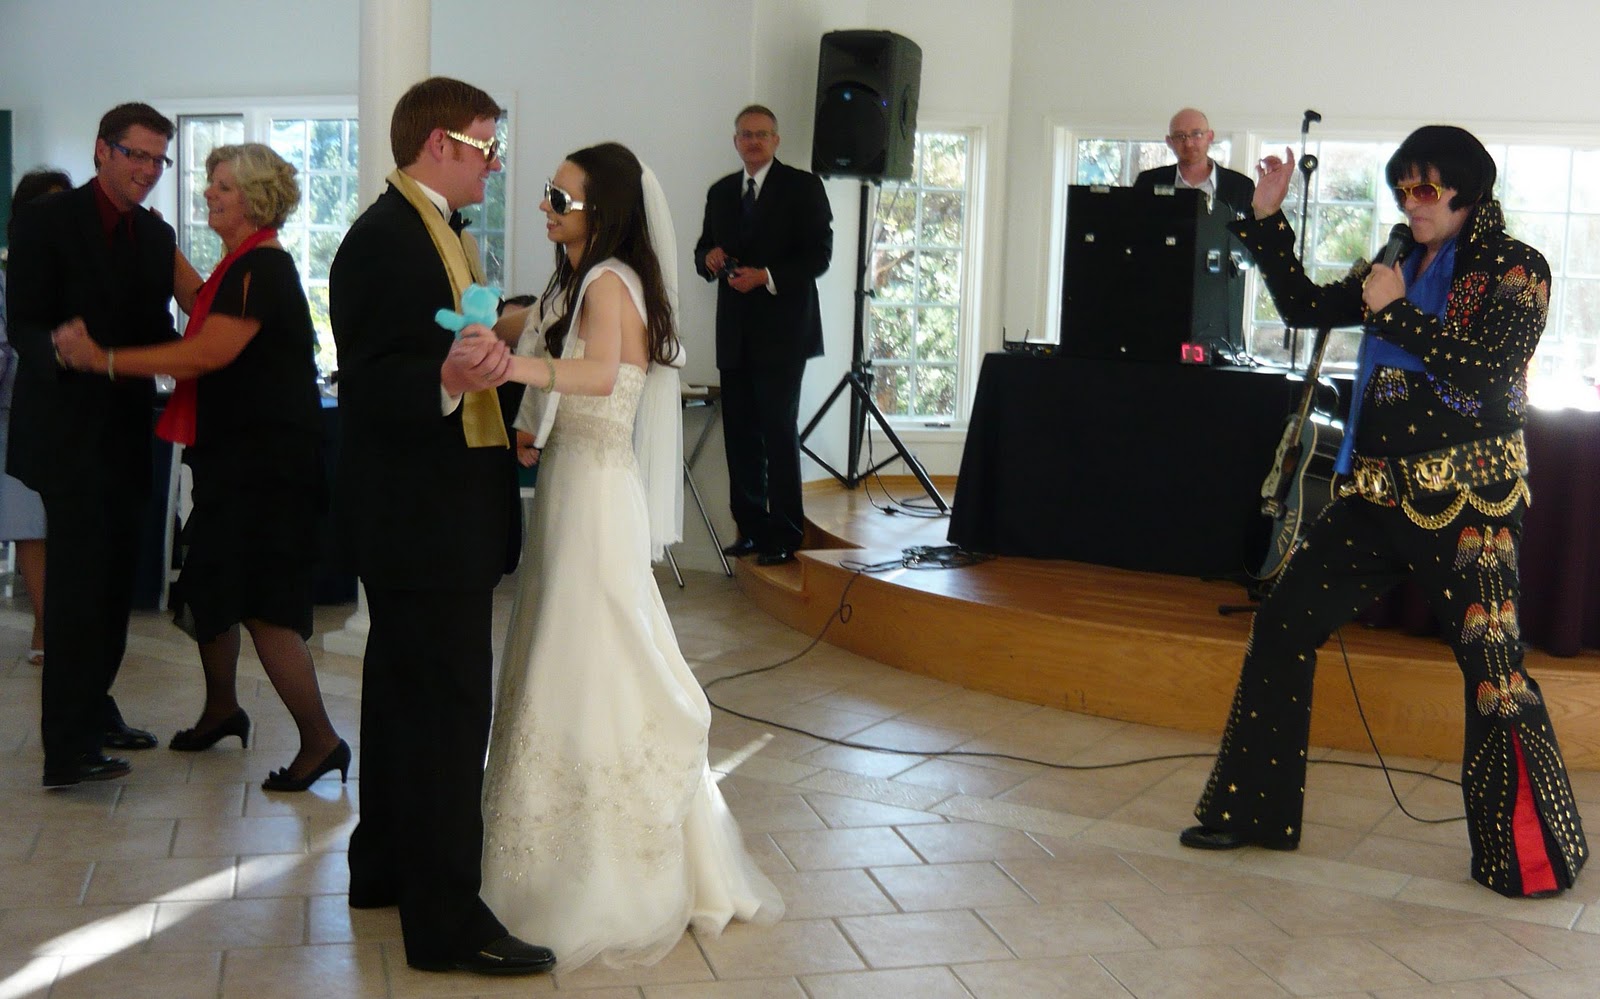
(950, 557)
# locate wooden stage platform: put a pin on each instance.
(1129, 645)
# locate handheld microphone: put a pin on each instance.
(1400, 243)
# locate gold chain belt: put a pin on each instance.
(1457, 469)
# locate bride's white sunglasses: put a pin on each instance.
(560, 201)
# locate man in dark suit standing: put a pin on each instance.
(427, 503)
(1189, 136)
(94, 259)
(1228, 195)
(768, 235)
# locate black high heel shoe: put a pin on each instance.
(192, 740)
(339, 760)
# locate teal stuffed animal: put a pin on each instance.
(479, 304)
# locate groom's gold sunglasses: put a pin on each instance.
(490, 148)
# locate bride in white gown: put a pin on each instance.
(605, 834)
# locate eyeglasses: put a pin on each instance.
(1424, 193)
(1193, 136)
(140, 157)
(490, 148)
(745, 135)
(560, 201)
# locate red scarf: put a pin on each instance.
(177, 423)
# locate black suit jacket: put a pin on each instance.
(792, 237)
(1234, 189)
(73, 430)
(416, 508)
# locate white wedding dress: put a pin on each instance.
(605, 834)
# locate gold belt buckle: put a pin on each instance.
(1372, 483)
(1436, 474)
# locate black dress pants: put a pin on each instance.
(426, 695)
(761, 432)
(90, 560)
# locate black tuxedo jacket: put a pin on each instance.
(416, 508)
(1234, 189)
(792, 237)
(73, 430)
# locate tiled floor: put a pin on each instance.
(909, 876)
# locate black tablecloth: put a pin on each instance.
(1149, 466)
(1158, 467)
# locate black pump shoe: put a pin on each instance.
(338, 760)
(192, 740)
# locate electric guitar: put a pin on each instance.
(1300, 482)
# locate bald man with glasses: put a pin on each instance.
(92, 258)
(1189, 136)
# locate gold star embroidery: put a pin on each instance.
(1233, 789)
(1226, 816)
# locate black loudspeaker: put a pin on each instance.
(866, 123)
(1145, 273)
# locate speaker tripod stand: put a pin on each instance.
(858, 382)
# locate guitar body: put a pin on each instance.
(1308, 473)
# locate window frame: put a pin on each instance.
(976, 312)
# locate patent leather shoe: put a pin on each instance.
(1211, 838)
(781, 556)
(91, 766)
(192, 740)
(505, 956)
(740, 548)
(124, 736)
(339, 759)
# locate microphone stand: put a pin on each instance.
(1308, 166)
(1291, 335)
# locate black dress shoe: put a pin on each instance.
(506, 956)
(89, 767)
(783, 556)
(123, 736)
(744, 546)
(1209, 838)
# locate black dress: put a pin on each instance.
(258, 475)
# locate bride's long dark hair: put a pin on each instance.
(613, 196)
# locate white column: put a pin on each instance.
(396, 42)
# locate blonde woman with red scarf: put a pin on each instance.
(246, 411)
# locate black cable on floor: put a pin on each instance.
(1373, 742)
(954, 557)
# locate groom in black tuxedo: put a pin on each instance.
(427, 503)
(94, 258)
(767, 237)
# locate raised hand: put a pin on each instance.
(1273, 176)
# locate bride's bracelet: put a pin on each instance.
(552, 366)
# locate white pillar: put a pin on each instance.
(396, 47)
(396, 44)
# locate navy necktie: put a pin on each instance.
(748, 202)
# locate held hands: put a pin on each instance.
(1273, 176)
(477, 360)
(74, 347)
(1383, 286)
